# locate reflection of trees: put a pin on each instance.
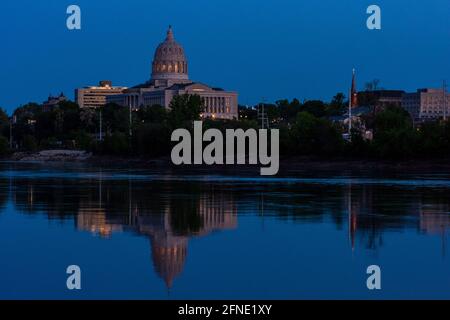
(378, 209)
(170, 213)
(368, 211)
(4, 187)
(53, 197)
(185, 218)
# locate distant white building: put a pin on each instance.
(427, 104)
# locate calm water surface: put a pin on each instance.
(139, 234)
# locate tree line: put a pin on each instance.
(306, 129)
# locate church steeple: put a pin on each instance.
(354, 93)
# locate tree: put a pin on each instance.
(83, 140)
(115, 118)
(185, 218)
(358, 147)
(392, 118)
(434, 139)
(373, 85)
(397, 144)
(394, 134)
(29, 143)
(337, 106)
(24, 120)
(153, 139)
(288, 110)
(4, 146)
(152, 114)
(71, 117)
(184, 109)
(4, 123)
(116, 144)
(314, 107)
(314, 136)
(272, 112)
(89, 119)
(46, 125)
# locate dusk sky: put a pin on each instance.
(260, 48)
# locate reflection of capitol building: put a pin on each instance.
(169, 249)
(169, 240)
(105, 209)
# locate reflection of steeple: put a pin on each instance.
(31, 196)
(352, 219)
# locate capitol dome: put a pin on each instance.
(169, 62)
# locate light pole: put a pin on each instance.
(101, 126)
(11, 120)
(131, 133)
(444, 99)
(350, 115)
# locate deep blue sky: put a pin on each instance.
(260, 48)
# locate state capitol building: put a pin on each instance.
(169, 78)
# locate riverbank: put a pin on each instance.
(51, 156)
(287, 164)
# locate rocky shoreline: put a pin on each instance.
(287, 164)
(52, 156)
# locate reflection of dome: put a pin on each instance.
(169, 62)
(169, 257)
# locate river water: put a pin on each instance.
(143, 234)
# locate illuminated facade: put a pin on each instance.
(96, 96)
(427, 104)
(169, 78)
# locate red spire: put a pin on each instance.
(354, 93)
